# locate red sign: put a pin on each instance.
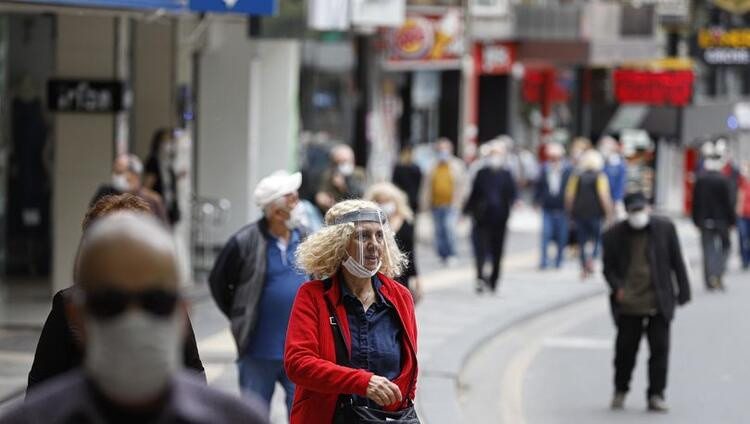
(494, 58)
(674, 88)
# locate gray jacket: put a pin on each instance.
(69, 399)
(237, 279)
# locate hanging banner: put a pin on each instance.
(672, 88)
(724, 47)
(383, 13)
(425, 42)
(328, 15)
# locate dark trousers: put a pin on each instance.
(629, 331)
(490, 240)
(716, 247)
(743, 229)
(588, 230)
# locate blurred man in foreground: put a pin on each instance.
(641, 254)
(132, 317)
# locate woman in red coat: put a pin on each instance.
(354, 258)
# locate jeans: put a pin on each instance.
(444, 220)
(716, 247)
(259, 376)
(588, 230)
(554, 229)
(490, 242)
(743, 229)
(630, 328)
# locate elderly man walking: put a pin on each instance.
(255, 280)
(647, 276)
(127, 304)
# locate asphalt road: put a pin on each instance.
(557, 368)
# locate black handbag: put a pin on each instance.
(349, 413)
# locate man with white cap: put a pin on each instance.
(255, 280)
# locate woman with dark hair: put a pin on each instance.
(160, 175)
(59, 349)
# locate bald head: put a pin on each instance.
(342, 153)
(127, 251)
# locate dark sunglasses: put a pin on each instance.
(109, 303)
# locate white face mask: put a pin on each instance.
(638, 220)
(297, 217)
(495, 161)
(358, 270)
(389, 208)
(120, 182)
(346, 169)
(132, 357)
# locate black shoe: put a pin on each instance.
(656, 403)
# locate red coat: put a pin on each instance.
(310, 354)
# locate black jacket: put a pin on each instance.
(58, 351)
(409, 179)
(712, 201)
(492, 195)
(664, 256)
(542, 195)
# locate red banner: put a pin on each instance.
(673, 88)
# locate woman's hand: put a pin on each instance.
(382, 391)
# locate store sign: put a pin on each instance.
(85, 96)
(494, 58)
(246, 7)
(724, 47)
(387, 13)
(673, 88)
(425, 42)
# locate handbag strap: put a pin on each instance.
(342, 353)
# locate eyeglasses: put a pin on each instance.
(109, 303)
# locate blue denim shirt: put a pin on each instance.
(375, 336)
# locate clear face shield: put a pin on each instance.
(367, 248)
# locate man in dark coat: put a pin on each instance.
(492, 196)
(714, 214)
(641, 254)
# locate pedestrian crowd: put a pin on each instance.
(320, 291)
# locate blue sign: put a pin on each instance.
(119, 4)
(248, 7)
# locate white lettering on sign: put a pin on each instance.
(727, 56)
(85, 98)
(495, 56)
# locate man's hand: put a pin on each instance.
(620, 295)
(382, 391)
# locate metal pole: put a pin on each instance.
(466, 129)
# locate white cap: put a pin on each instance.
(275, 186)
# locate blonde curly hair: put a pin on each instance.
(394, 194)
(322, 253)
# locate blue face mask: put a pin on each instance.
(443, 156)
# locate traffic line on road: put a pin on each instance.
(578, 343)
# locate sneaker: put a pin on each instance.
(657, 404)
(714, 283)
(618, 401)
(480, 286)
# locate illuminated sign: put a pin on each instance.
(494, 58)
(673, 88)
(86, 96)
(724, 47)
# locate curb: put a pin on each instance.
(439, 385)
